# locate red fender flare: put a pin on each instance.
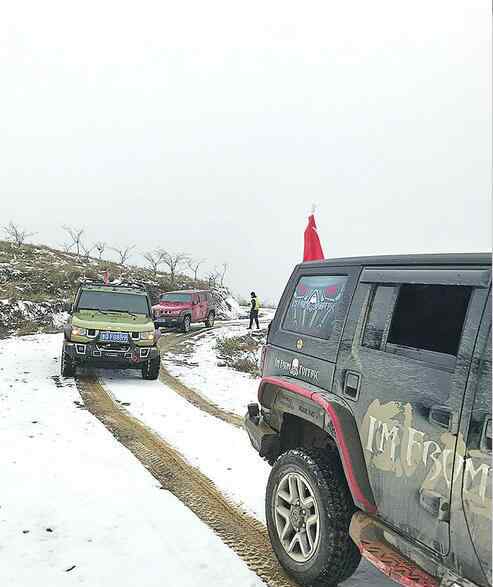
(357, 491)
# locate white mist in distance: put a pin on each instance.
(210, 128)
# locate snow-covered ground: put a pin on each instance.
(219, 450)
(76, 508)
(229, 389)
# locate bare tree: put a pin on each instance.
(75, 235)
(174, 261)
(155, 259)
(221, 273)
(193, 265)
(213, 278)
(86, 250)
(123, 253)
(100, 247)
(15, 234)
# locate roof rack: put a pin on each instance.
(122, 284)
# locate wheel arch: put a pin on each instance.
(307, 415)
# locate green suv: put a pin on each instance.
(111, 326)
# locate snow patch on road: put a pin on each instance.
(227, 388)
(219, 450)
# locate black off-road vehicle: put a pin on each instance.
(375, 411)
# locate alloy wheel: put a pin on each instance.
(297, 517)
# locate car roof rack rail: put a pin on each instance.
(116, 283)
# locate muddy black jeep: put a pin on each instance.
(375, 412)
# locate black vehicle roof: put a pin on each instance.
(417, 259)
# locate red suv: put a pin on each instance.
(182, 308)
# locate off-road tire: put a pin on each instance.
(67, 366)
(210, 320)
(336, 557)
(150, 369)
(186, 324)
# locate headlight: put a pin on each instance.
(148, 336)
(76, 331)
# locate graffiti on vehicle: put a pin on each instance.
(314, 303)
(393, 445)
(296, 369)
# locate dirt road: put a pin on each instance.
(245, 535)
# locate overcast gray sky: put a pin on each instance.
(211, 127)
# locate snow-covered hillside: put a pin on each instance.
(35, 281)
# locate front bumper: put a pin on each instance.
(166, 320)
(113, 356)
(265, 440)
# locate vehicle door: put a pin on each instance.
(203, 306)
(471, 523)
(196, 308)
(403, 365)
(305, 335)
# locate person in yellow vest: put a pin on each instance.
(254, 308)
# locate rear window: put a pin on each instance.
(176, 297)
(313, 308)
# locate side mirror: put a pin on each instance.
(67, 307)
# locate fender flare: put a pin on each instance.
(338, 422)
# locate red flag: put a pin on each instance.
(313, 248)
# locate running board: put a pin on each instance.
(369, 536)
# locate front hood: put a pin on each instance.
(114, 321)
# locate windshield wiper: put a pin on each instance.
(93, 310)
(123, 312)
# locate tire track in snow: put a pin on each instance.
(196, 399)
(240, 531)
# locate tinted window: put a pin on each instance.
(106, 300)
(313, 307)
(378, 316)
(176, 297)
(430, 317)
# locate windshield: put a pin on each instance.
(176, 297)
(110, 300)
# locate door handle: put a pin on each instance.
(444, 417)
(352, 382)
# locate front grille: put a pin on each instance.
(113, 346)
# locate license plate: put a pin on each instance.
(113, 336)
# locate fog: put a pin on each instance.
(212, 127)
